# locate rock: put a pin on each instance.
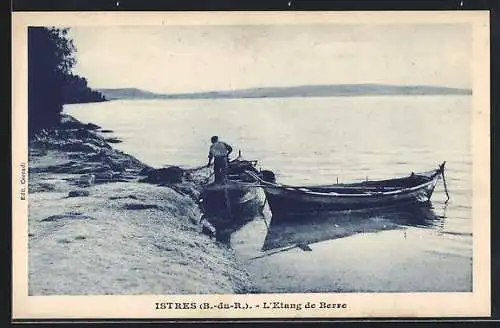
(168, 175)
(71, 145)
(61, 168)
(136, 206)
(83, 133)
(92, 126)
(100, 155)
(90, 148)
(114, 164)
(44, 186)
(101, 169)
(87, 179)
(36, 152)
(68, 122)
(67, 119)
(106, 175)
(113, 140)
(123, 197)
(116, 161)
(67, 216)
(74, 213)
(106, 131)
(75, 155)
(37, 169)
(73, 167)
(78, 193)
(90, 168)
(80, 146)
(146, 171)
(98, 142)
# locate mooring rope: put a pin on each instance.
(445, 187)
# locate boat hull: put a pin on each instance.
(284, 201)
(229, 207)
(229, 201)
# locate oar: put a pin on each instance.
(228, 203)
(196, 168)
(263, 216)
(303, 247)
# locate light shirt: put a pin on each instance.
(218, 149)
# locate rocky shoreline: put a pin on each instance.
(102, 222)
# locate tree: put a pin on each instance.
(51, 83)
(50, 58)
(76, 90)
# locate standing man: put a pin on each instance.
(219, 151)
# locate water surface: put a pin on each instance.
(317, 141)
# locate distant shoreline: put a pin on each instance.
(336, 90)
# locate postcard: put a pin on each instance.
(187, 165)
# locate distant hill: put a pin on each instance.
(128, 93)
(334, 90)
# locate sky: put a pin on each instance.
(179, 59)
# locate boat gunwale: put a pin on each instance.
(432, 176)
(364, 194)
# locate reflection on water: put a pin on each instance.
(317, 141)
(306, 229)
(376, 250)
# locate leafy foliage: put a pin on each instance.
(75, 90)
(50, 81)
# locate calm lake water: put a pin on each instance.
(320, 140)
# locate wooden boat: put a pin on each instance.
(415, 188)
(230, 205)
(230, 200)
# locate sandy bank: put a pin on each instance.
(116, 235)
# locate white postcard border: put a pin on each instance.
(476, 303)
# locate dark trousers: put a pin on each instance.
(220, 169)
